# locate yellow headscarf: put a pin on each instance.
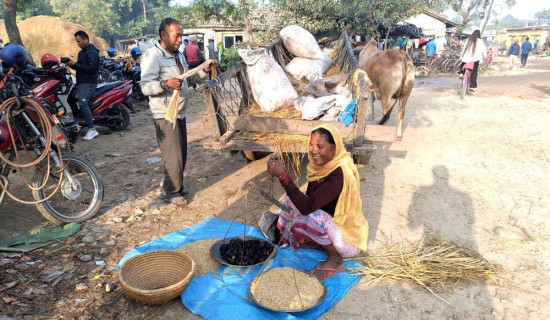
(348, 214)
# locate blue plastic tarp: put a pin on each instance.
(225, 294)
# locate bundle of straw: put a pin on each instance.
(286, 112)
(289, 146)
(172, 111)
(432, 263)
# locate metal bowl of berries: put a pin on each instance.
(242, 251)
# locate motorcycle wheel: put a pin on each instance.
(69, 205)
(116, 76)
(120, 125)
(104, 76)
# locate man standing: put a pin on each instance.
(87, 73)
(431, 48)
(193, 54)
(526, 47)
(513, 52)
(212, 50)
(160, 67)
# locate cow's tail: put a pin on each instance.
(388, 113)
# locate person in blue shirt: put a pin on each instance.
(526, 47)
(513, 53)
(430, 47)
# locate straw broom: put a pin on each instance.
(172, 111)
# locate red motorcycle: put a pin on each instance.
(65, 187)
(108, 104)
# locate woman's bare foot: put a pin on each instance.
(331, 266)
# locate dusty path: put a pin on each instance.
(474, 171)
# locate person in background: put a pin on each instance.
(87, 74)
(431, 48)
(526, 47)
(536, 46)
(160, 67)
(513, 52)
(473, 51)
(193, 54)
(329, 215)
(212, 50)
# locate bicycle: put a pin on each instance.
(467, 68)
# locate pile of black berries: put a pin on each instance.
(245, 252)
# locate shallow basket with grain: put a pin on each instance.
(156, 277)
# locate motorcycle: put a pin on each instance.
(133, 74)
(65, 188)
(108, 104)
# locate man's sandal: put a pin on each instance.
(174, 200)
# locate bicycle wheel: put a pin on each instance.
(450, 65)
(456, 67)
(465, 84)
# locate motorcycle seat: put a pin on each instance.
(102, 88)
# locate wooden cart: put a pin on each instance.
(228, 95)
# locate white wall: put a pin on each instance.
(430, 26)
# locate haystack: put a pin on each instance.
(45, 34)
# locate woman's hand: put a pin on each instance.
(275, 166)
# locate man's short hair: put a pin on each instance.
(526, 38)
(167, 22)
(81, 34)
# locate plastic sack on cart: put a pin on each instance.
(325, 87)
(310, 69)
(300, 42)
(270, 86)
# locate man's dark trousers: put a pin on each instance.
(84, 93)
(524, 58)
(173, 146)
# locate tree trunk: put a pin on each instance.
(10, 11)
(248, 36)
(487, 17)
(386, 40)
(248, 30)
(144, 4)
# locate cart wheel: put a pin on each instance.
(253, 155)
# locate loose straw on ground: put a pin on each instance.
(432, 263)
(172, 111)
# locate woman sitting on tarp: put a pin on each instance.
(329, 215)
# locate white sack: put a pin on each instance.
(309, 69)
(329, 107)
(270, 86)
(300, 42)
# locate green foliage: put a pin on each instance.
(229, 57)
(543, 15)
(31, 8)
(470, 10)
(99, 15)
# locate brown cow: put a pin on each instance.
(391, 76)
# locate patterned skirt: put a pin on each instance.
(316, 227)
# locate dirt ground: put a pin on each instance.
(473, 171)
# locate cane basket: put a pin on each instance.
(156, 277)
